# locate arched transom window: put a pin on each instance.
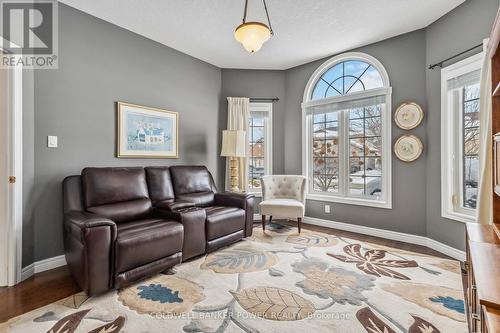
(346, 119)
(347, 77)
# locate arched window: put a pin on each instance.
(347, 126)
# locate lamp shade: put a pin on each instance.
(233, 143)
(252, 35)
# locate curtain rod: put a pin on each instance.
(440, 64)
(264, 99)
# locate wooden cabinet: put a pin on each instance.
(483, 278)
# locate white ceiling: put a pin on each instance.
(304, 30)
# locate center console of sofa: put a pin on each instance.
(124, 224)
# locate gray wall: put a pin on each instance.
(99, 64)
(462, 28)
(404, 59)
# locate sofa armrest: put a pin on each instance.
(89, 247)
(83, 220)
(233, 199)
(193, 220)
(244, 201)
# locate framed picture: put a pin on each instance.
(144, 132)
(408, 148)
(408, 116)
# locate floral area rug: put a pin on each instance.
(277, 281)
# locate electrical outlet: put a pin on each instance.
(327, 208)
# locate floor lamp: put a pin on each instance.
(234, 146)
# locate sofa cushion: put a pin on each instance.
(200, 199)
(195, 180)
(103, 186)
(222, 221)
(159, 184)
(144, 241)
(123, 211)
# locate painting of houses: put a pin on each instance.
(146, 132)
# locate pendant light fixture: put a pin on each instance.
(253, 34)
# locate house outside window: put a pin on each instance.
(259, 155)
(347, 132)
(460, 138)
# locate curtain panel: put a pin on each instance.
(238, 114)
(485, 199)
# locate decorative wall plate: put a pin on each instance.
(408, 115)
(408, 148)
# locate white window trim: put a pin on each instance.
(268, 144)
(450, 142)
(386, 200)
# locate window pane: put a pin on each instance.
(356, 127)
(372, 79)
(257, 121)
(373, 146)
(373, 186)
(356, 113)
(332, 130)
(326, 183)
(373, 126)
(319, 90)
(373, 167)
(257, 134)
(373, 111)
(256, 150)
(319, 118)
(356, 166)
(471, 141)
(471, 106)
(356, 185)
(332, 116)
(319, 131)
(470, 145)
(471, 92)
(325, 148)
(357, 147)
(471, 165)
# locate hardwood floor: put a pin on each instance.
(39, 290)
(50, 286)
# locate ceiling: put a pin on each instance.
(304, 30)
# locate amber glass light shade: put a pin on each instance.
(252, 35)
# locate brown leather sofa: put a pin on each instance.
(124, 224)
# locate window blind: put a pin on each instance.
(331, 106)
(464, 80)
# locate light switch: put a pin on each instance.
(52, 141)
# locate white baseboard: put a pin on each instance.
(393, 235)
(42, 265)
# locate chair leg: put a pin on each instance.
(263, 222)
(299, 220)
(270, 219)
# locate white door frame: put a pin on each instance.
(12, 229)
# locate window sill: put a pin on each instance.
(459, 217)
(350, 201)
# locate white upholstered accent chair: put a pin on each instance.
(283, 196)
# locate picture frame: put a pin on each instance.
(408, 115)
(408, 148)
(146, 132)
